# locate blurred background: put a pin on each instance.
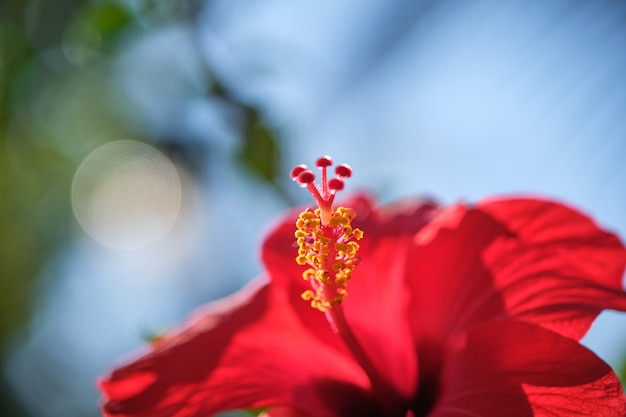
(145, 147)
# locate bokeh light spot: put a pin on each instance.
(126, 195)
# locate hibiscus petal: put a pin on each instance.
(248, 351)
(517, 369)
(451, 287)
(560, 270)
(534, 260)
(377, 303)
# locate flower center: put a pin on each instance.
(327, 242)
(328, 245)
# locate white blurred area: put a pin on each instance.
(126, 195)
(458, 100)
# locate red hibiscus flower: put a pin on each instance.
(468, 311)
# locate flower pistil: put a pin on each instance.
(326, 239)
(328, 245)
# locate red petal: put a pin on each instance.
(378, 298)
(245, 352)
(450, 285)
(560, 270)
(377, 302)
(537, 261)
(518, 369)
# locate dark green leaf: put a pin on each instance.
(259, 152)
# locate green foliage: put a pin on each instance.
(95, 32)
(110, 19)
(259, 152)
(47, 117)
(52, 113)
(57, 103)
(15, 53)
(256, 411)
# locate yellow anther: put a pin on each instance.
(344, 276)
(339, 221)
(345, 212)
(320, 305)
(308, 274)
(322, 276)
(315, 242)
(341, 247)
(351, 249)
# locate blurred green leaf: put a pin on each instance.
(259, 152)
(256, 411)
(96, 30)
(15, 53)
(110, 19)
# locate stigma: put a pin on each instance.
(327, 242)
